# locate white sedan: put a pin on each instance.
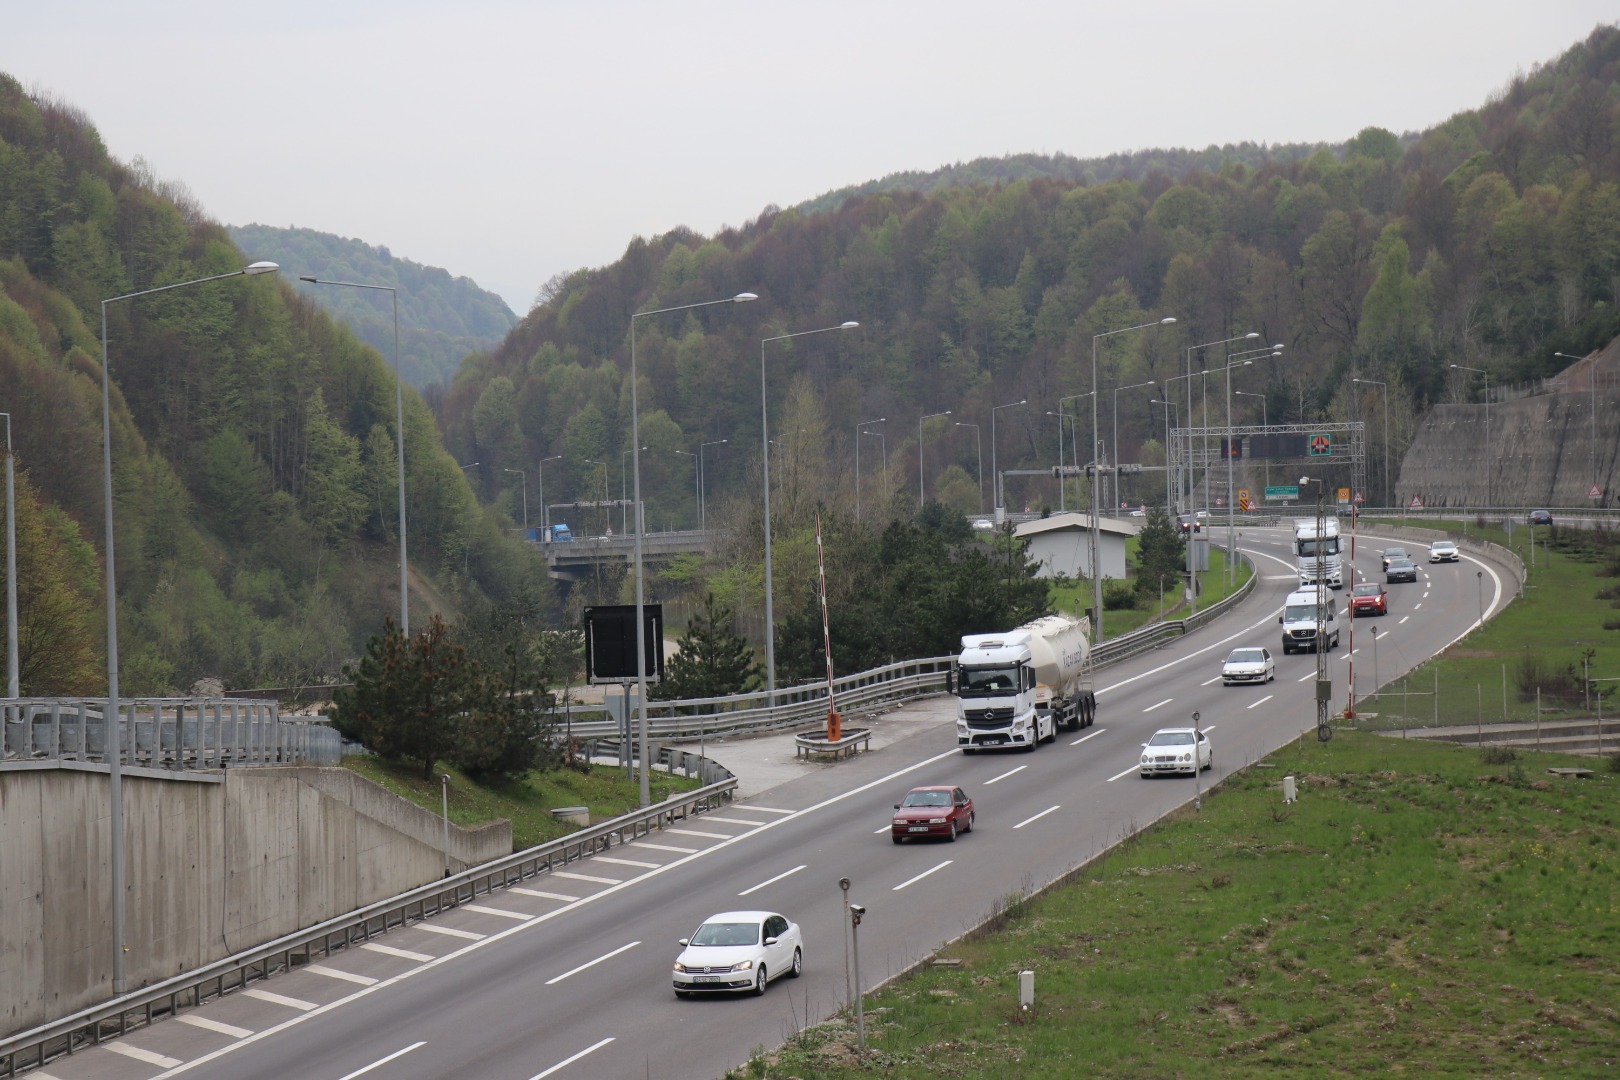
(1248, 664)
(1444, 551)
(1172, 751)
(739, 951)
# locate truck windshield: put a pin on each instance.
(989, 680)
(1330, 546)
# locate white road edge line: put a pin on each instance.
(1093, 735)
(1037, 817)
(774, 880)
(382, 1061)
(922, 875)
(571, 1060)
(592, 963)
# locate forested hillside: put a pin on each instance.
(441, 318)
(253, 442)
(1491, 240)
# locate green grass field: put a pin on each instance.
(1415, 912)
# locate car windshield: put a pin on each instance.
(1367, 590)
(727, 933)
(986, 680)
(1245, 656)
(1171, 738)
(1400, 564)
(927, 798)
(1299, 613)
(1444, 545)
(1394, 553)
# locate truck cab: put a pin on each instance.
(1311, 548)
(559, 534)
(994, 686)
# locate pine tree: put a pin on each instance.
(714, 660)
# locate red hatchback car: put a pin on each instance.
(932, 811)
(1369, 598)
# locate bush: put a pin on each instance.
(1498, 755)
(1119, 596)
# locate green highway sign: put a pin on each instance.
(1283, 491)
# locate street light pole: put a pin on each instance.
(540, 482)
(11, 571)
(703, 486)
(641, 618)
(765, 470)
(858, 434)
(112, 736)
(1096, 458)
(697, 474)
(1117, 389)
(1266, 424)
(980, 445)
(1231, 495)
(1490, 471)
(922, 470)
(525, 478)
(1168, 405)
(998, 496)
(1389, 498)
(399, 424)
(1074, 443)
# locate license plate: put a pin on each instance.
(994, 740)
(918, 828)
(706, 978)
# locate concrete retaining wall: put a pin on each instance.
(214, 863)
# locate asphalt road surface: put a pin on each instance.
(569, 976)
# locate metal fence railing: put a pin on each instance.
(169, 733)
(113, 1019)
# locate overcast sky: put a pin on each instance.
(508, 141)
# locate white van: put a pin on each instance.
(1299, 618)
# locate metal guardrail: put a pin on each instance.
(113, 1019)
(167, 733)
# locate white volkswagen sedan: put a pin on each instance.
(1172, 750)
(1252, 663)
(739, 952)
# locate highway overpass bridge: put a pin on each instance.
(575, 560)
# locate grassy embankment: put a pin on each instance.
(1416, 911)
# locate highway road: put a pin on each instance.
(569, 976)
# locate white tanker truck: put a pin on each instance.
(1015, 689)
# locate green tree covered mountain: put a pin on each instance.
(441, 318)
(1490, 240)
(253, 442)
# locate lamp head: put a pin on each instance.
(258, 268)
(1251, 335)
(850, 325)
(744, 297)
(1168, 320)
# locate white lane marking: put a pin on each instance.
(1210, 682)
(1166, 701)
(1037, 817)
(383, 1061)
(281, 999)
(666, 847)
(1093, 735)
(922, 875)
(1405, 617)
(571, 1060)
(592, 963)
(772, 810)
(403, 954)
(774, 880)
(1006, 774)
(214, 1025)
(564, 897)
(1417, 605)
(449, 931)
(733, 821)
(625, 862)
(886, 828)
(571, 876)
(1127, 772)
(1262, 701)
(502, 912)
(705, 835)
(1307, 677)
(147, 1056)
(346, 976)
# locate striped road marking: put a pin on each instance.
(466, 935)
(564, 897)
(346, 976)
(147, 1056)
(586, 877)
(290, 1002)
(521, 916)
(403, 954)
(666, 847)
(214, 1025)
(624, 862)
(694, 832)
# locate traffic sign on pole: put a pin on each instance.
(1417, 502)
(1357, 500)
(1594, 492)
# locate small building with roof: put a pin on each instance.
(1061, 544)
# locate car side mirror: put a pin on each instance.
(1279, 618)
(772, 941)
(897, 806)
(1144, 746)
(685, 942)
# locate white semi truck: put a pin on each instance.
(1309, 547)
(1017, 688)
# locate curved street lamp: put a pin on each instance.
(112, 736)
(922, 469)
(858, 434)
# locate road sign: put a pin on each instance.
(1594, 492)
(1244, 501)
(1321, 444)
(1357, 500)
(1282, 491)
(1344, 495)
(1416, 503)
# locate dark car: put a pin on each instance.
(1400, 570)
(1540, 517)
(1393, 553)
(932, 811)
(1190, 524)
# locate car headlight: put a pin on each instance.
(899, 821)
(936, 821)
(1186, 757)
(680, 968)
(744, 966)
